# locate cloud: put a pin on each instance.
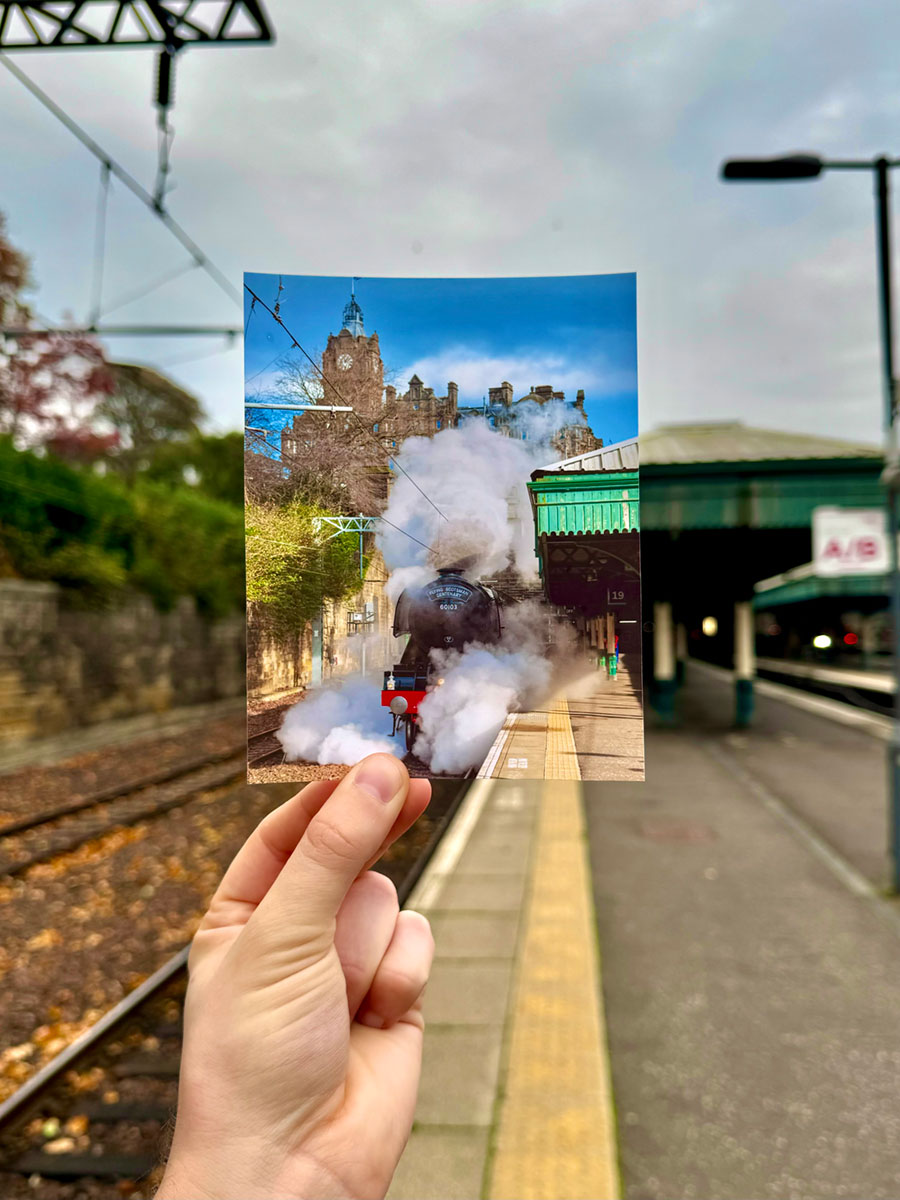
(475, 372)
(500, 138)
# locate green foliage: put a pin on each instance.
(96, 536)
(211, 463)
(292, 566)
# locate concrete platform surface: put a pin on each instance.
(751, 971)
(514, 1100)
(595, 731)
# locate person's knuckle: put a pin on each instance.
(326, 839)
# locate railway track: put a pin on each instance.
(47, 834)
(97, 1117)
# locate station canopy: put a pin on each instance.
(719, 506)
(727, 475)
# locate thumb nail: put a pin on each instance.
(380, 777)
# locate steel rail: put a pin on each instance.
(116, 791)
(128, 1005)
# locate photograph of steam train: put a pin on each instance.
(443, 526)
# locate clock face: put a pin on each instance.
(345, 362)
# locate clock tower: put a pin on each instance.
(351, 364)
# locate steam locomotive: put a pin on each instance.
(446, 614)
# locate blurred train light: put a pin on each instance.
(773, 630)
(710, 626)
(821, 641)
(850, 639)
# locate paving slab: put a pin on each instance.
(468, 993)
(459, 1075)
(470, 935)
(445, 1161)
(482, 893)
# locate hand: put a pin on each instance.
(303, 1026)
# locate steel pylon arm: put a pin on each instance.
(96, 24)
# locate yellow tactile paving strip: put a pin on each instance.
(555, 1134)
(560, 757)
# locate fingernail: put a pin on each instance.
(380, 777)
(371, 1019)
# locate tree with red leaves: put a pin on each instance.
(50, 382)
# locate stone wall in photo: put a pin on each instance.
(62, 667)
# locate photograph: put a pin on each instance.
(443, 526)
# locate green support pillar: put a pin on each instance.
(744, 663)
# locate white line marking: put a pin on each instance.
(834, 710)
(493, 755)
(852, 879)
(425, 894)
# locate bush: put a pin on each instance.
(96, 536)
(292, 564)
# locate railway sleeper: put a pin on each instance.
(80, 1166)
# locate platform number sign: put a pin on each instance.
(619, 595)
(849, 541)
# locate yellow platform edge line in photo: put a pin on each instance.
(561, 757)
(554, 1137)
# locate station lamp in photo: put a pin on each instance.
(709, 626)
(796, 167)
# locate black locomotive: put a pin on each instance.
(446, 614)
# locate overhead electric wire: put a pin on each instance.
(121, 174)
(391, 458)
(145, 290)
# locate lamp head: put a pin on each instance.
(763, 170)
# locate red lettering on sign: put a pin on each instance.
(833, 549)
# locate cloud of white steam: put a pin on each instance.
(338, 723)
(455, 496)
(539, 422)
(482, 685)
(460, 719)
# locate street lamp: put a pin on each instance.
(810, 166)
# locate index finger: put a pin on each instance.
(260, 860)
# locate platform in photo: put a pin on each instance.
(443, 526)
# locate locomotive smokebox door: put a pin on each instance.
(448, 613)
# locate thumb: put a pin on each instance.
(346, 832)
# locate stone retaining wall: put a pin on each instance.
(62, 667)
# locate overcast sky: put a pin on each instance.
(541, 137)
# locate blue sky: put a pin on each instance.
(571, 332)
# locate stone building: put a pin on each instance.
(353, 374)
(503, 414)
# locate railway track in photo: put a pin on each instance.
(94, 1122)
